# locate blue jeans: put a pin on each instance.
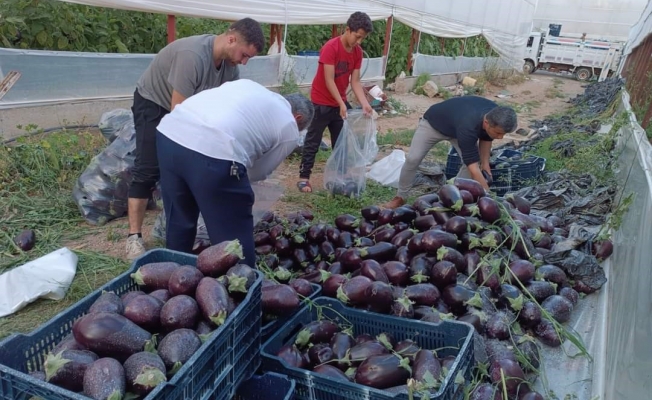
(192, 183)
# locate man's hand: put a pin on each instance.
(476, 174)
(368, 111)
(343, 111)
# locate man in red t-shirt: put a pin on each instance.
(339, 64)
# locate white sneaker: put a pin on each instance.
(135, 247)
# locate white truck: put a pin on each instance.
(585, 58)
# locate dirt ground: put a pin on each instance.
(539, 96)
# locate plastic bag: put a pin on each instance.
(388, 170)
(364, 130)
(47, 277)
(113, 121)
(345, 171)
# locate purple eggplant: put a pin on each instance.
(373, 270)
(424, 222)
(403, 214)
(179, 312)
(107, 302)
(380, 252)
(602, 249)
(341, 344)
(540, 290)
(407, 348)
(370, 212)
(521, 271)
(402, 307)
(352, 258)
(441, 213)
(423, 294)
(443, 274)
(510, 373)
(291, 355)
(68, 343)
(346, 222)
(396, 272)
(420, 269)
(353, 290)
(558, 307)
(385, 217)
(532, 354)
(546, 332)
(213, 300)
(283, 247)
(384, 234)
(425, 362)
(216, 260)
(382, 371)
(456, 297)
(262, 238)
(489, 209)
(519, 202)
(280, 300)
(144, 311)
(446, 253)
(155, 275)
(486, 391)
(130, 295)
(450, 197)
(467, 198)
(570, 294)
(402, 238)
(498, 325)
(143, 372)
(332, 285)
(456, 225)
(403, 255)
(582, 287)
(470, 185)
(433, 239)
(327, 250)
(317, 332)
(177, 347)
(25, 240)
(302, 287)
(110, 334)
(162, 294)
(104, 379)
(320, 353)
(331, 372)
(67, 368)
(552, 273)
(476, 318)
(530, 315)
(379, 297)
(184, 280)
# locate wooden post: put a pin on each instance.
(334, 31)
(172, 28)
(413, 38)
(640, 71)
(272, 34)
(388, 38)
(279, 35)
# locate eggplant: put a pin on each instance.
(283, 247)
(450, 197)
(403, 214)
(320, 353)
(582, 287)
(336, 268)
(276, 232)
(67, 368)
(332, 285)
(510, 296)
(470, 185)
(332, 234)
(292, 356)
(396, 273)
(497, 350)
(68, 343)
(177, 347)
(331, 372)
(300, 257)
(143, 372)
(271, 261)
(467, 198)
(425, 362)
(104, 379)
(353, 291)
(280, 300)
(370, 213)
(558, 307)
(540, 290)
(428, 198)
(216, 260)
(441, 213)
(384, 234)
(511, 373)
(402, 238)
(262, 238)
(552, 273)
(450, 254)
(110, 334)
(403, 255)
(407, 348)
(364, 242)
(155, 275)
(130, 295)
(422, 294)
(380, 252)
(532, 396)
(363, 338)
(530, 315)
(385, 217)
(456, 225)
(351, 258)
(302, 287)
(162, 294)
(316, 233)
(487, 276)
(213, 300)
(546, 332)
(498, 325)
(456, 297)
(602, 249)
(424, 222)
(521, 271)
(341, 344)
(366, 228)
(107, 302)
(402, 307)
(489, 209)
(570, 294)
(519, 202)
(443, 274)
(447, 362)
(312, 251)
(521, 244)
(179, 312)
(25, 240)
(373, 270)
(491, 239)
(317, 332)
(346, 222)
(327, 250)
(529, 350)
(433, 239)
(382, 371)
(476, 318)
(379, 297)
(184, 280)
(469, 210)
(144, 311)
(420, 269)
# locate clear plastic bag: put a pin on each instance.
(113, 121)
(364, 130)
(345, 169)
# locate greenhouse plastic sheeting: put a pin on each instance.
(609, 19)
(640, 30)
(505, 24)
(439, 65)
(304, 68)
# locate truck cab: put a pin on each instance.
(532, 52)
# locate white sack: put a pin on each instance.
(387, 170)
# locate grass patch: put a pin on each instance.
(421, 80)
(440, 151)
(396, 138)
(37, 174)
(397, 105)
(326, 207)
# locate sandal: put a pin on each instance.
(301, 185)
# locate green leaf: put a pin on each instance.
(405, 363)
(62, 43)
(121, 46)
(42, 38)
(384, 340)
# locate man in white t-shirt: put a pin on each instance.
(211, 146)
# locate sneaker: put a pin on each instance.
(135, 247)
(397, 201)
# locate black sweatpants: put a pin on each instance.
(147, 116)
(325, 117)
(192, 183)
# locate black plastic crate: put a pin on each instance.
(272, 326)
(520, 173)
(269, 386)
(214, 371)
(449, 337)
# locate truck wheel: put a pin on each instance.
(528, 67)
(583, 74)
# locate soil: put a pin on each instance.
(540, 95)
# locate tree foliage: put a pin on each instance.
(54, 25)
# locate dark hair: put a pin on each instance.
(502, 117)
(301, 105)
(250, 31)
(359, 20)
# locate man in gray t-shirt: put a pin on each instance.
(183, 68)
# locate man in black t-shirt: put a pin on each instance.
(470, 124)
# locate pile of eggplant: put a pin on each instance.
(381, 362)
(134, 342)
(455, 254)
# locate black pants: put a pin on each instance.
(145, 173)
(325, 117)
(192, 183)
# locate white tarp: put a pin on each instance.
(505, 24)
(641, 29)
(607, 19)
